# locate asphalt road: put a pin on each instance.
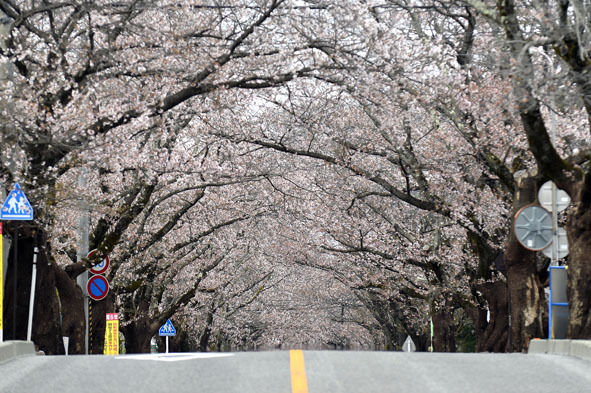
(275, 372)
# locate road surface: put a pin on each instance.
(297, 372)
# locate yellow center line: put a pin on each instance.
(299, 382)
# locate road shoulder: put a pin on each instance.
(12, 349)
(577, 348)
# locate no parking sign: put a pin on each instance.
(97, 287)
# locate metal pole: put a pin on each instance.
(550, 303)
(554, 259)
(1, 286)
(15, 275)
(82, 279)
(86, 319)
(166, 344)
(509, 322)
(32, 298)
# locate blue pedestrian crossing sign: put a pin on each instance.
(167, 329)
(16, 206)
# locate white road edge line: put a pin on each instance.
(173, 357)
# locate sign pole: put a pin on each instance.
(32, 299)
(87, 328)
(166, 344)
(14, 292)
(82, 279)
(1, 287)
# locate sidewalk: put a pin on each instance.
(11, 349)
(578, 348)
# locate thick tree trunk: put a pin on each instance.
(57, 298)
(579, 261)
(16, 292)
(527, 300)
(526, 294)
(206, 334)
(385, 314)
(492, 335)
(70, 300)
(137, 336)
(444, 331)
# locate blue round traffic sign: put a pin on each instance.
(97, 287)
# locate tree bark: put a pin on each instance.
(206, 334)
(579, 261)
(493, 335)
(137, 334)
(526, 293)
(71, 300)
(56, 311)
(444, 331)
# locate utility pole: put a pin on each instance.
(82, 279)
(5, 75)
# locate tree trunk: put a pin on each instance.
(444, 331)
(138, 334)
(57, 298)
(579, 260)
(526, 294)
(385, 314)
(492, 335)
(206, 334)
(71, 300)
(527, 301)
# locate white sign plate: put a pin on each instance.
(545, 197)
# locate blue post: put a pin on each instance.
(551, 303)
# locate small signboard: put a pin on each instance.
(16, 206)
(112, 334)
(167, 329)
(97, 287)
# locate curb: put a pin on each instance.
(578, 348)
(12, 349)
